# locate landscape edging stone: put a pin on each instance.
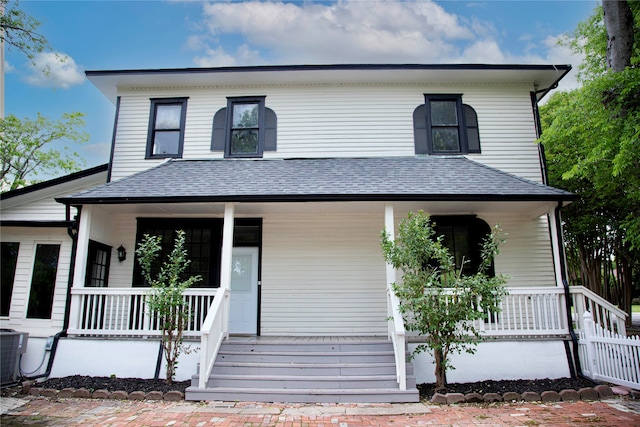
(589, 393)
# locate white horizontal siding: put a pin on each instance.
(29, 238)
(323, 275)
(526, 256)
(339, 121)
(40, 205)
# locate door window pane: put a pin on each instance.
(7, 275)
(43, 281)
(241, 273)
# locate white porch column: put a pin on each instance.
(556, 246)
(82, 248)
(227, 246)
(84, 230)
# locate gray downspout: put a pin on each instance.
(567, 294)
(73, 226)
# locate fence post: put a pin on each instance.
(589, 333)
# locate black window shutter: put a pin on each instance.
(219, 134)
(270, 130)
(473, 135)
(420, 130)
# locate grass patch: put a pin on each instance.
(635, 308)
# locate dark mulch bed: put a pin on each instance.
(504, 386)
(426, 390)
(113, 384)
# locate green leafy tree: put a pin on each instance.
(592, 141)
(166, 300)
(20, 31)
(26, 148)
(436, 300)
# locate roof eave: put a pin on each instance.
(74, 201)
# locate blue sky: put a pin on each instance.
(120, 34)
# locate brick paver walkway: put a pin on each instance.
(115, 413)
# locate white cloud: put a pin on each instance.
(8, 68)
(51, 69)
(392, 31)
(346, 31)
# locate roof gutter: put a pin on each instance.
(284, 198)
(554, 85)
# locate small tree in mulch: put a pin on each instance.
(436, 300)
(166, 301)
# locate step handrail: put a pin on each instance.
(604, 312)
(214, 330)
(397, 334)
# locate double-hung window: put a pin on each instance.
(166, 127)
(9, 255)
(444, 125)
(43, 281)
(245, 128)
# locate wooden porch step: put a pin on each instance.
(288, 370)
(249, 368)
(391, 395)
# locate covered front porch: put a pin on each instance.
(542, 316)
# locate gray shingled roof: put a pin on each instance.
(333, 179)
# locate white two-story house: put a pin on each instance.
(283, 178)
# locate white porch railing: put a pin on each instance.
(124, 311)
(527, 312)
(607, 356)
(214, 331)
(535, 311)
(542, 312)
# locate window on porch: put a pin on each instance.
(463, 235)
(203, 242)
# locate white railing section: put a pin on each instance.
(542, 312)
(397, 336)
(602, 311)
(214, 331)
(607, 356)
(125, 311)
(527, 311)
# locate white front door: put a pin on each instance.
(243, 316)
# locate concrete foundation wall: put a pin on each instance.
(499, 360)
(122, 358)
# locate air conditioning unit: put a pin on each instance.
(12, 345)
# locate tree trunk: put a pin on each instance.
(441, 372)
(618, 20)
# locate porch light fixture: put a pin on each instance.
(122, 253)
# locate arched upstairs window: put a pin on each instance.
(444, 125)
(464, 235)
(244, 128)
